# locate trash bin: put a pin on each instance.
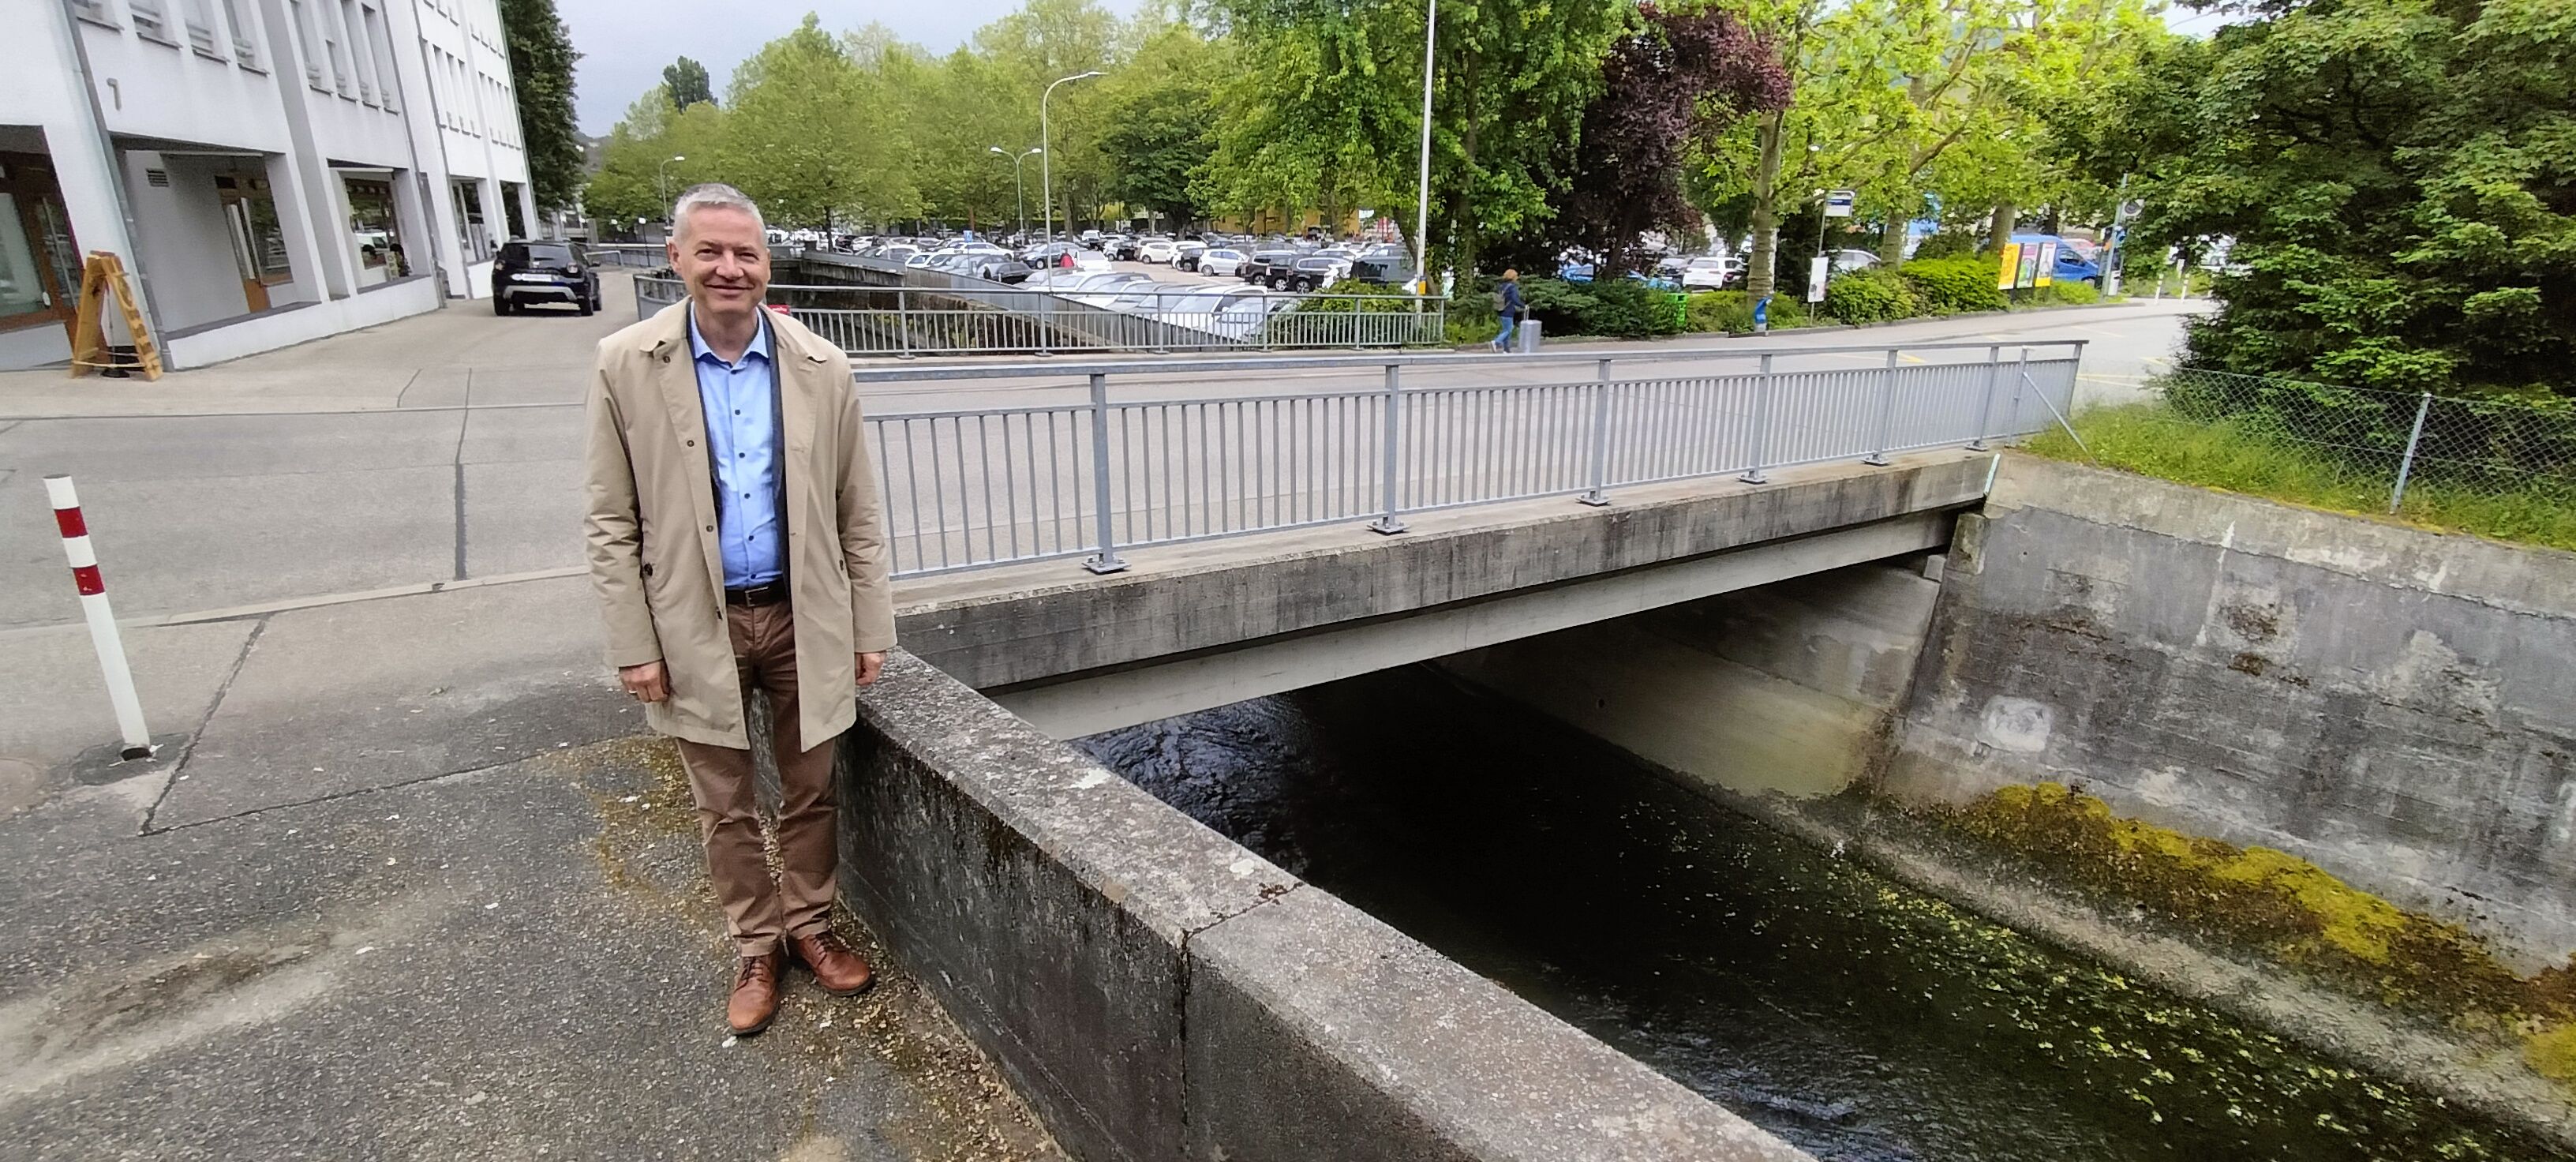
(1527, 336)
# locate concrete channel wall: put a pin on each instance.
(1159, 992)
(2395, 706)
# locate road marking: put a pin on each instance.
(289, 604)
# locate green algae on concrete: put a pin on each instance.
(2287, 907)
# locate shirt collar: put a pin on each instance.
(698, 348)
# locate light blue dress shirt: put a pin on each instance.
(743, 437)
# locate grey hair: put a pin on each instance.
(712, 194)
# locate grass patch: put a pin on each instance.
(2151, 440)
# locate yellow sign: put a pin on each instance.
(2010, 272)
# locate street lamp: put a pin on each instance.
(1019, 191)
(1422, 186)
(661, 180)
(1046, 171)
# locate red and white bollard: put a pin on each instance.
(102, 622)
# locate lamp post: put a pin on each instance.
(1422, 185)
(662, 181)
(1019, 189)
(1046, 170)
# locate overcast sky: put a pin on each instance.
(625, 43)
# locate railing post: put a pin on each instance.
(1886, 412)
(1986, 408)
(1761, 424)
(1106, 560)
(2406, 466)
(2021, 378)
(903, 322)
(1387, 522)
(1599, 495)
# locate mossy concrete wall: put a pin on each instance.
(2397, 707)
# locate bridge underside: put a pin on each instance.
(1191, 627)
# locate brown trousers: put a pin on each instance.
(757, 912)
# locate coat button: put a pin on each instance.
(711, 528)
(691, 443)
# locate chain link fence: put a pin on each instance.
(2399, 441)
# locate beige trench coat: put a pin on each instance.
(651, 527)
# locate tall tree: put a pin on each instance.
(2399, 180)
(812, 137)
(686, 81)
(1162, 121)
(541, 69)
(1671, 79)
(1333, 107)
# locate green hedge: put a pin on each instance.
(2073, 294)
(1876, 295)
(1950, 286)
(1618, 308)
(1731, 311)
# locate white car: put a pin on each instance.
(1156, 250)
(920, 260)
(1707, 272)
(1222, 261)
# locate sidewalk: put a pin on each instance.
(405, 883)
(429, 360)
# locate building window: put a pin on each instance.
(471, 232)
(40, 267)
(151, 20)
(244, 52)
(303, 20)
(374, 232)
(388, 80)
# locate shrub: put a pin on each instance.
(2076, 294)
(1945, 244)
(1618, 308)
(1729, 311)
(1950, 286)
(1871, 296)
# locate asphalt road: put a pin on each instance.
(445, 448)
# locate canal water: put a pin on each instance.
(1858, 1019)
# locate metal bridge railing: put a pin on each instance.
(996, 318)
(1094, 476)
(643, 255)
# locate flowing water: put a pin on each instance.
(1857, 1018)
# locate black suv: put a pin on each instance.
(526, 272)
(1270, 267)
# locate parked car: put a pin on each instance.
(1707, 272)
(1185, 255)
(1842, 260)
(1119, 248)
(1382, 269)
(1269, 267)
(526, 272)
(1155, 250)
(1222, 261)
(1001, 268)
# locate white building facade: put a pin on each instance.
(270, 171)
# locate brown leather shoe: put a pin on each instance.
(841, 972)
(755, 993)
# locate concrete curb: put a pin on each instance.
(1159, 992)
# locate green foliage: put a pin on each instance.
(2395, 175)
(1946, 243)
(2243, 454)
(1618, 308)
(1950, 286)
(1876, 295)
(2072, 294)
(541, 67)
(810, 136)
(1330, 117)
(1163, 123)
(686, 81)
(1731, 312)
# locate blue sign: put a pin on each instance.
(1762, 315)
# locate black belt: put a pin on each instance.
(771, 594)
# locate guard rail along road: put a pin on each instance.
(932, 312)
(1095, 475)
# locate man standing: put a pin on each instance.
(1510, 308)
(734, 539)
